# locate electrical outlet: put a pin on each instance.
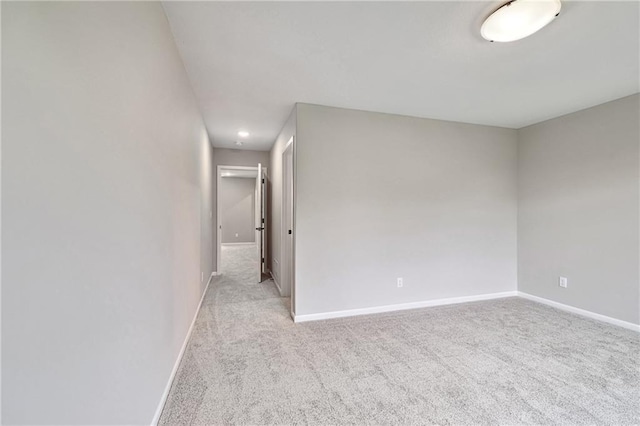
(400, 283)
(563, 282)
(201, 277)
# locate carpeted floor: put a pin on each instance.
(508, 361)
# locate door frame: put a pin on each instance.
(219, 170)
(288, 211)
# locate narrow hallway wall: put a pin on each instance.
(106, 211)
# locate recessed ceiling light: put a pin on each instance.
(243, 133)
(519, 19)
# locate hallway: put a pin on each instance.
(235, 316)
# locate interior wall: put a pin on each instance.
(383, 196)
(275, 190)
(235, 157)
(579, 209)
(106, 201)
(237, 206)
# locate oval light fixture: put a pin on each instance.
(519, 19)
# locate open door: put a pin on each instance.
(259, 222)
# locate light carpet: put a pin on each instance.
(508, 361)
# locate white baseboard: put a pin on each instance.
(165, 394)
(402, 306)
(238, 244)
(583, 312)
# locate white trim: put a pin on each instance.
(165, 394)
(288, 259)
(289, 142)
(239, 244)
(402, 306)
(219, 170)
(276, 281)
(582, 312)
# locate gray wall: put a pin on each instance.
(235, 157)
(275, 177)
(106, 196)
(237, 207)
(578, 209)
(383, 196)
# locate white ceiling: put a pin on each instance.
(249, 62)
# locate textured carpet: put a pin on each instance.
(508, 361)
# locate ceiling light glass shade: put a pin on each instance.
(519, 19)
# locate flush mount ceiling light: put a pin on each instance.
(243, 134)
(519, 19)
(238, 143)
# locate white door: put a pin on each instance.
(258, 223)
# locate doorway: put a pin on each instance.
(241, 218)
